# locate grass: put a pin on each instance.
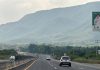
(3, 57)
(84, 60)
(5, 54)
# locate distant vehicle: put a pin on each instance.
(48, 58)
(65, 60)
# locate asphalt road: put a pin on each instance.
(43, 64)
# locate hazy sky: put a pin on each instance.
(12, 10)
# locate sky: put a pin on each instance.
(13, 10)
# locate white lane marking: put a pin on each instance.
(55, 68)
(52, 65)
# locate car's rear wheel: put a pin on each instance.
(60, 64)
(70, 65)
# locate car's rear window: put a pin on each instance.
(65, 58)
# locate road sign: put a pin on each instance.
(96, 21)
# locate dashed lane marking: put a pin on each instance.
(55, 68)
(52, 66)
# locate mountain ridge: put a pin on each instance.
(53, 26)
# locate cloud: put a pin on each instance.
(11, 10)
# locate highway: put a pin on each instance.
(42, 64)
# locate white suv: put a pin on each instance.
(65, 60)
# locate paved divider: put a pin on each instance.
(19, 63)
(23, 65)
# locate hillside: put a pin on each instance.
(70, 25)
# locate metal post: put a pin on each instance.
(97, 47)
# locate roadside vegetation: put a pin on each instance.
(5, 54)
(79, 54)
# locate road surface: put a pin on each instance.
(42, 64)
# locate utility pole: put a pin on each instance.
(97, 41)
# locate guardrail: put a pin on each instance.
(18, 63)
(20, 60)
(9, 65)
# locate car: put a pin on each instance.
(65, 60)
(48, 58)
